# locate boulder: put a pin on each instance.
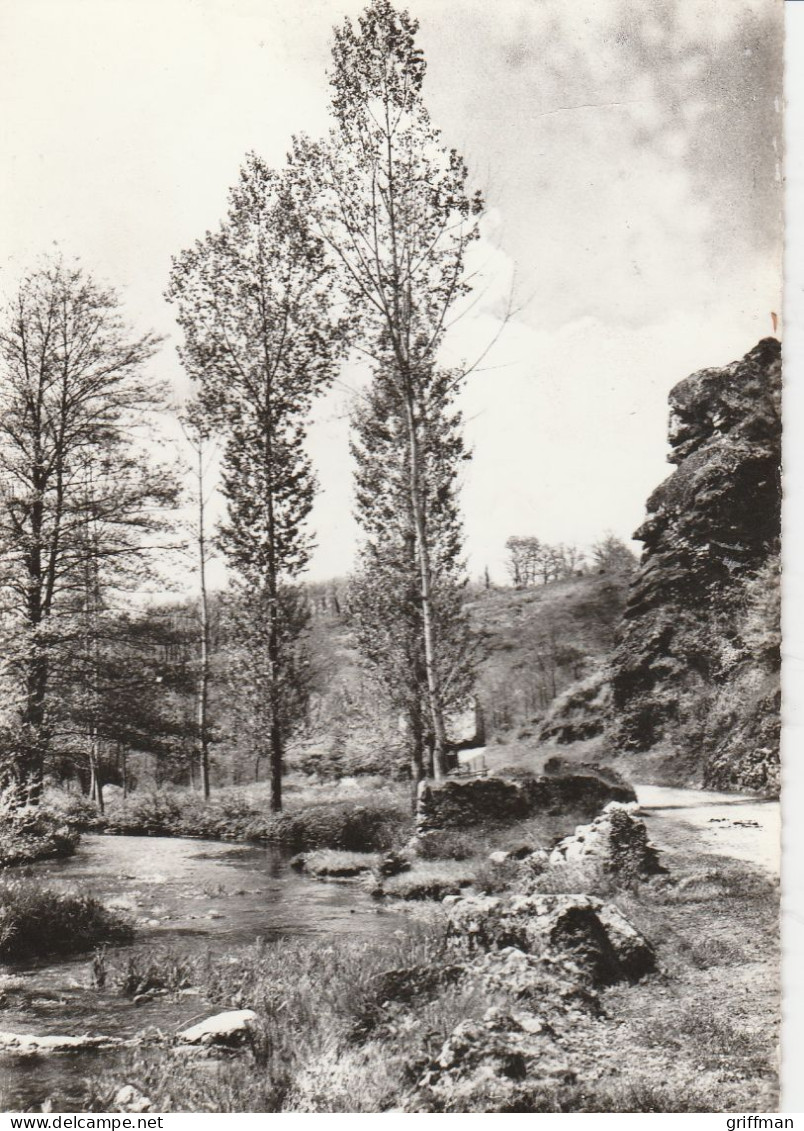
(601, 942)
(493, 1064)
(615, 842)
(230, 1028)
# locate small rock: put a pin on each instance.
(499, 857)
(128, 1098)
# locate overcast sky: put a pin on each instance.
(629, 157)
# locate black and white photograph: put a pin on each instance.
(390, 535)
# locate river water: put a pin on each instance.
(192, 896)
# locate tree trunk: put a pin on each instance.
(428, 628)
(31, 769)
(203, 675)
(95, 784)
(276, 767)
(417, 773)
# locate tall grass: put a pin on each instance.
(36, 921)
(310, 822)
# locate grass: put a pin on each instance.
(352, 818)
(429, 879)
(152, 970)
(329, 863)
(353, 1026)
(36, 921)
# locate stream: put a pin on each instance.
(193, 896)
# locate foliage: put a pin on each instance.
(384, 604)
(253, 303)
(153, 969)
(79, 494)
(390, 202)
(267, 692)
(33, 832)
(35, 921)
(530, 560)
(231, 815)
(611, 555)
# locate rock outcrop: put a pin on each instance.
(540, 959)
(695, 673)
(456, 804)
(712, 530)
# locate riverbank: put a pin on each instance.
(365, 814)
(428, 1021)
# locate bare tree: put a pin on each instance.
(73, 408)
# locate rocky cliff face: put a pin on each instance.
(695, 672)
(697, 661)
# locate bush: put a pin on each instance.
(448, 844)
(36, 921)
(32, 832)
(355, 828)
(74, 810)
(232, 815)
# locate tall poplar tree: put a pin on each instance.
(390, 201)
(253, 302)
(385, 594)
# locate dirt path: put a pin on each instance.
(727, 824)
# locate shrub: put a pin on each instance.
(232, 815)
(448, 844)
(74, 810)
(32, 832)
(35, 921)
